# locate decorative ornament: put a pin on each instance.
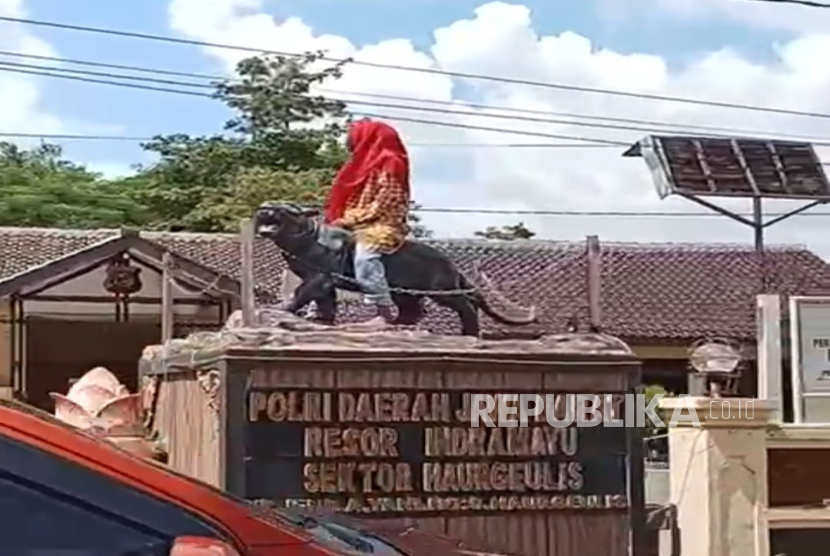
(122, 279)
(99, 404)
(210, 381)
(149, 397)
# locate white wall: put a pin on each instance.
(92, 285)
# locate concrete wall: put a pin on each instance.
(657, 487)
(91, 284)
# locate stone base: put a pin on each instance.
(276, 329)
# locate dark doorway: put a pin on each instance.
(799, 542)
(60, 350)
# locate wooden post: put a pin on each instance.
(167, 307)
(769, 353)
(246, 241)
(594, 282)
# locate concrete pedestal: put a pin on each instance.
(718, 475)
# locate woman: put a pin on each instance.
(370, 197)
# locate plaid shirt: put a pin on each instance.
(378, 215)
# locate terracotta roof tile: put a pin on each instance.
(671, 292)
(24, 248)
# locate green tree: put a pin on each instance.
(278, 147)
(41, 188)
(507, 233)
(250, 187)
(650, 391)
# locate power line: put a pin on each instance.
(691, 129)
(512, 145)
(528, 118)
(107, 75)
(106, 82)
(364, 114)
(456, 210)
(74, 137)
(92, 63)
(214, 78)
(41, 70)
(597, 141)
(807, 3)
(82, 137)
(434, 71)
(633, 214)
(448, 111)
(493, 129)
(527, 133)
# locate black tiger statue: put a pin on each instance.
(322, 257)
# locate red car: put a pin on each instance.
(63, 492)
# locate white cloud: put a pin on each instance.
(21, 109)
(765, 16)
(499, 39)
(112, 170)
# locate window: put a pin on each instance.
(54, 507)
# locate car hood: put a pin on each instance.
(407, 538)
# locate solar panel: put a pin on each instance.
(730, 167)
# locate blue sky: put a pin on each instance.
(142, 113)
(729, 50)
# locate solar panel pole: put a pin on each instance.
(594, 285)
(758, 228)
(758, 220)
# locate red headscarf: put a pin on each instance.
(375, 146)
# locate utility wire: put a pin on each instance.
(73, 74)
(434, 71)
(597, 141)
(634, 214)
(732, 132)
(608, 142)
(93, 63)
(82, 137)
(448, 111)
(807, 3)
(659, 126)
(106, 82)
(108, 75)
(73, 137)
(364, 114)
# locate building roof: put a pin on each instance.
(649, 291)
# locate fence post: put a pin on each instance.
(246, 241)
(167, 307)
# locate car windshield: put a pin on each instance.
(324, 530)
